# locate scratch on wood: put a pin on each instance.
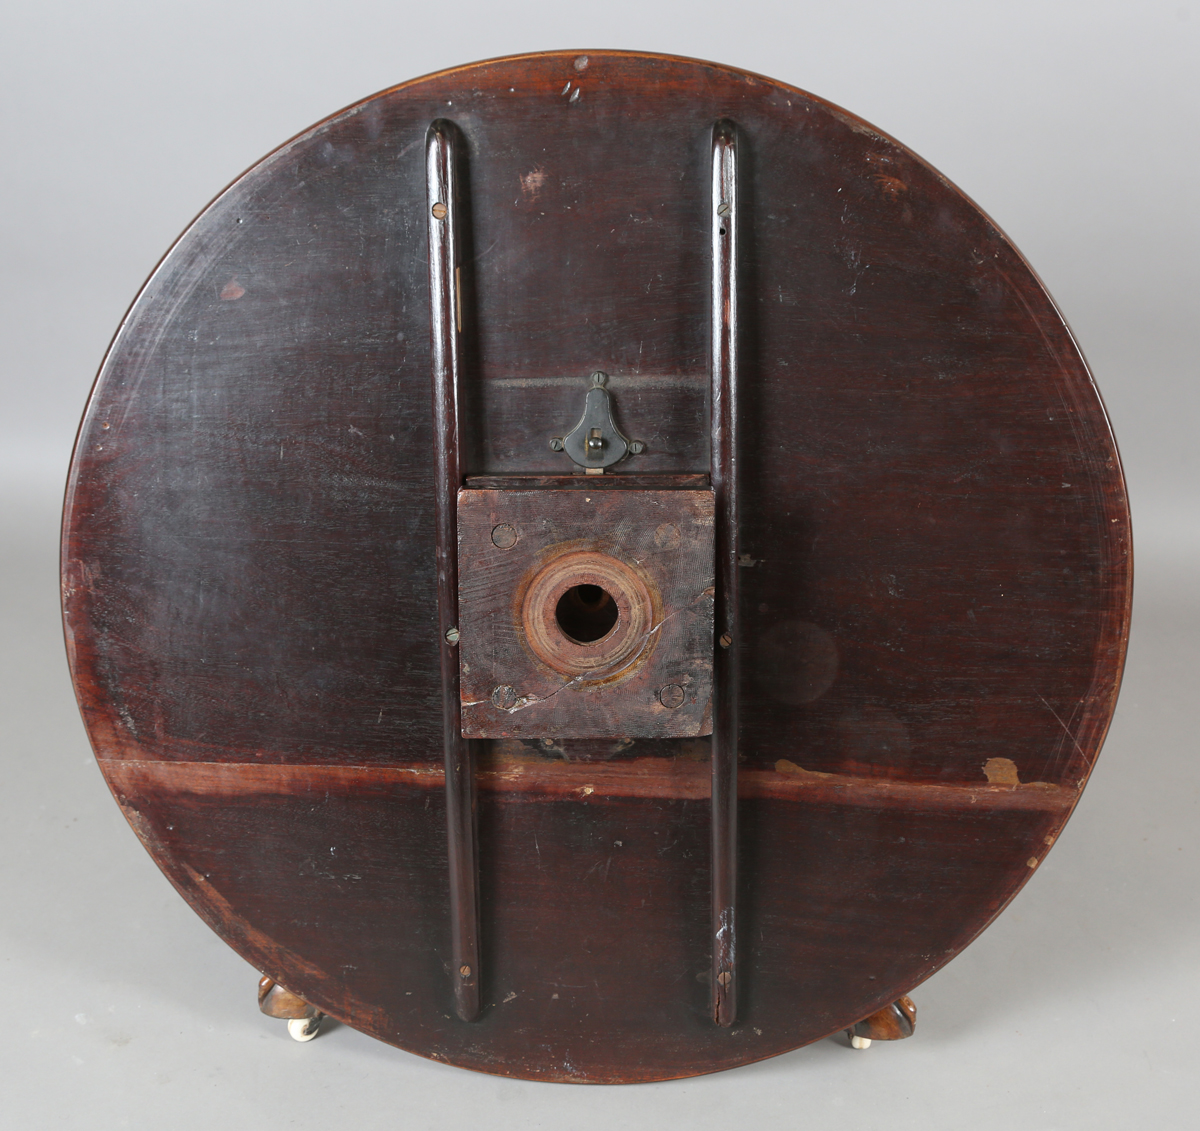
(1069, 733)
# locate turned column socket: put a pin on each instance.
(589, 615)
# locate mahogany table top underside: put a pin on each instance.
(935, 591)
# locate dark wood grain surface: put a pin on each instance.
(934, 570)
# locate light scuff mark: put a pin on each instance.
(533, 182)
(1001, 771)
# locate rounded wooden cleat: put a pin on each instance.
(275, 1001)
(891, 1023)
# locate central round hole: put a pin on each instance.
(586, 613)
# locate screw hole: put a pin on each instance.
(586, 613)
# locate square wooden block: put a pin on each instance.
(585, 613)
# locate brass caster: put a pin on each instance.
(305, 1028)
(304, 1020)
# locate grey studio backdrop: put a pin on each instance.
(1073, 124)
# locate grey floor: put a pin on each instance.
(1073, 122)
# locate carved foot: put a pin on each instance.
(892, 1023)
(304, 1020)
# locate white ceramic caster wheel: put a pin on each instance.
(305, 1028)
(855, 1042)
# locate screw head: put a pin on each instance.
(636, 448)
(440, 211)
(667, 537)
(726, 639)
(723, 208)
(724, 977)
(465, 971)
(671, 696)
(452, 635)
(504, 698)
(600, 378)
(504, 536)
(556, 444)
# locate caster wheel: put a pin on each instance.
(855, 1042)
(305, 1028)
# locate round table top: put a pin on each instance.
(935, 584)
